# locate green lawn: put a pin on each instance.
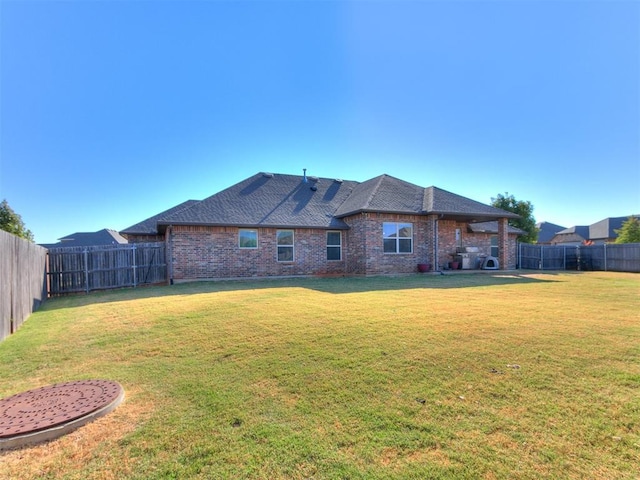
(423, 376)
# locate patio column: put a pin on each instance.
(503, 243)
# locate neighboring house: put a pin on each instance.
(281, 225)
(596, 234)
(546, 231)
(604, 231)
(575, 235)
(89, 239)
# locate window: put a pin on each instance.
(334, 246)
(248, 238)
(284, 240)
(397, 237)
(494, 246)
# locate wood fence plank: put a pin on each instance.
(76, 269)
(22, 281)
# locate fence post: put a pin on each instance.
(605, 257)
(86, 269)
(135, 269)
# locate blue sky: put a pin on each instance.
(113, 111)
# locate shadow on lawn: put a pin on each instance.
(335, 285)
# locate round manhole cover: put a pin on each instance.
(49, 412)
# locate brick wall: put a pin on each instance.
(365, 250)
(143, 238)
(213, 252)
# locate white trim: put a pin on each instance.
(339, 246)
(292, 246)
(397, 238)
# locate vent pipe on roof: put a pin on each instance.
(304, 175)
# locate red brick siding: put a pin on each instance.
(483, 241)
(365, 251)
(143, 238)
(213, 252)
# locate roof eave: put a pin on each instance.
(163, 226)
(391, 212)
(472, 216)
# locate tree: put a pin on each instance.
(526, 222)
(11, 222)
(629, 232)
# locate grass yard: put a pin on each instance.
(459, 376)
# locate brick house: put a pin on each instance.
(289, 225)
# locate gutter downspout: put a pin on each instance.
(169, 259)
(435, 245)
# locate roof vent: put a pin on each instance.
(267, 175)
(338, 180)
(304, 175)
(313, 188)
(314, 179)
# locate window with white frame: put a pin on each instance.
(284, 241)
(248, 238)
(334, 245)
(494, 246)
(397, 237)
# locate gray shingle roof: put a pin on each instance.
(89, 239)
(271, 200)
(547, 231)
(277, 200)
(150, 225)
(383, 194)
(440, 201)
(605, 229)
(575, 234)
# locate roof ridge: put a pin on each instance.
(374, 190)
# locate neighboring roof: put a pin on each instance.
(582, 230)
(492, 227)
(600, 231)
(288, 201)
(89, 239)
(150, 225)
(576, 234)
(605, 229)
(547, 230)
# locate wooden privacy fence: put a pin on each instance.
(83, 269)
(22, 281)
(624, 257)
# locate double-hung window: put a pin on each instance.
(284, 240)
(495, 250)
(248, 238)
(397, 237)
(334, 246)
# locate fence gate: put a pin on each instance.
(539, 257)
(83, 269)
